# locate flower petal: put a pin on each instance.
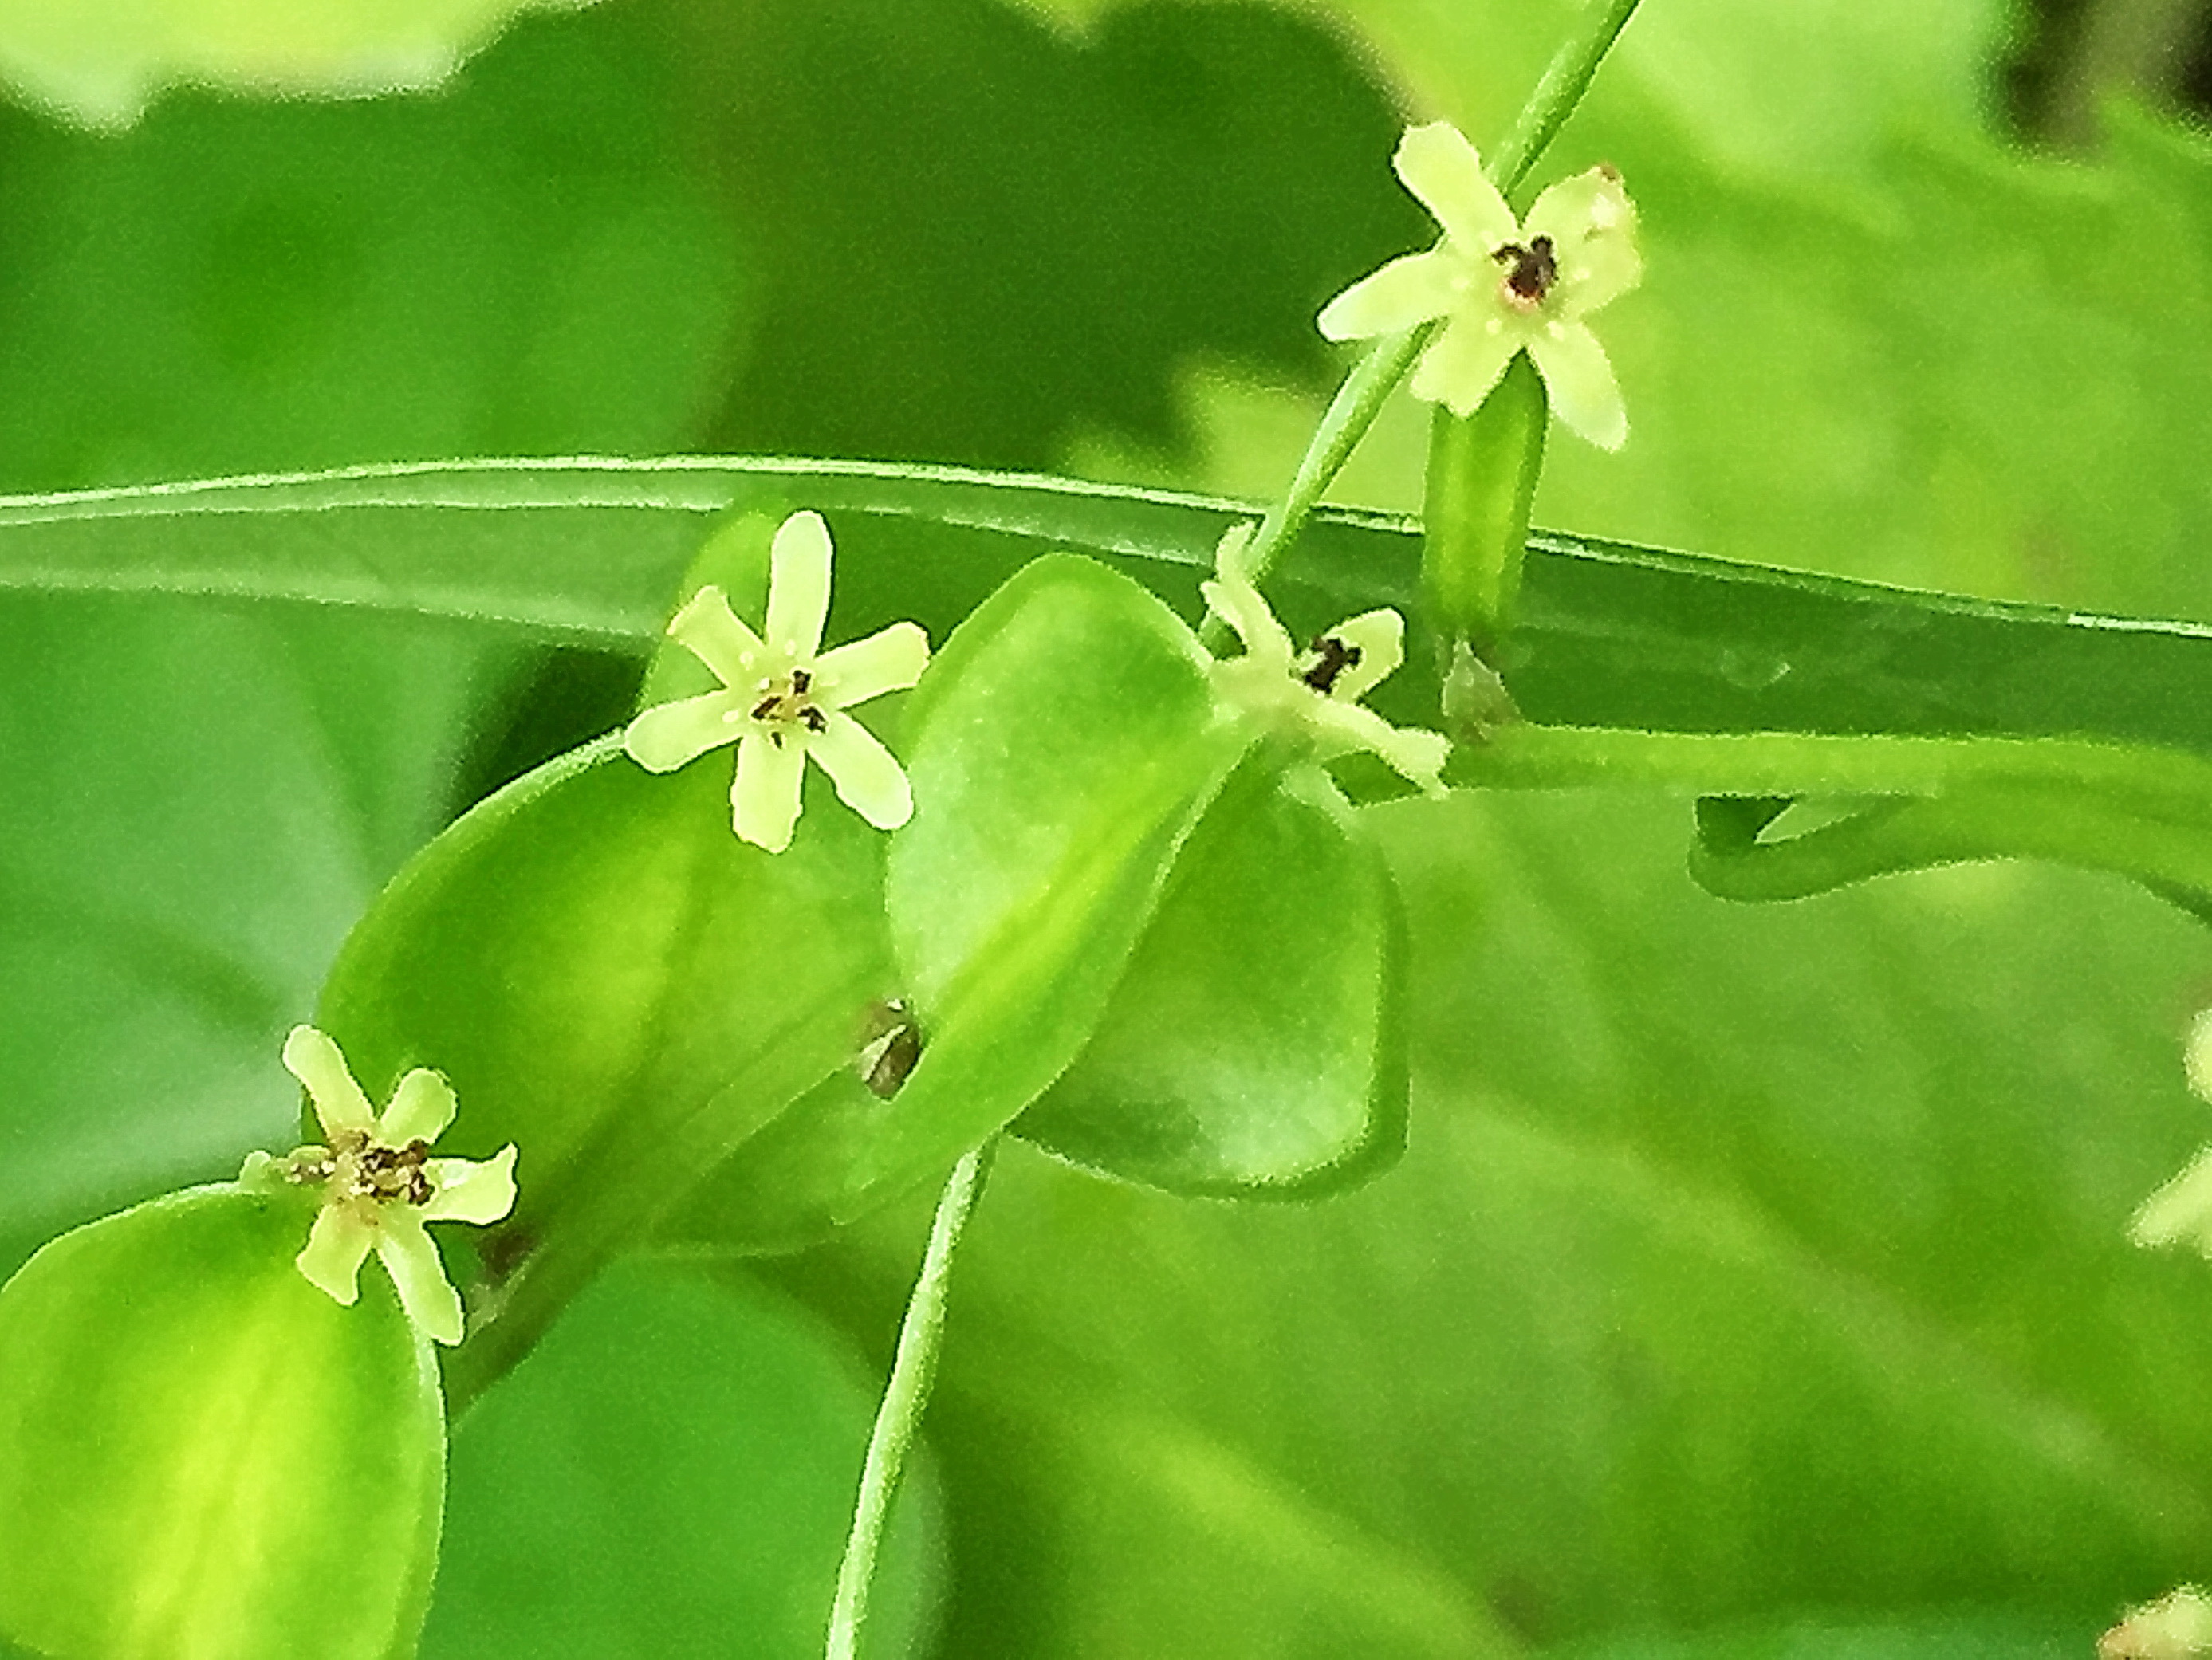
(1592, 225)
(710, 631)
(1465, 362)
(1443, 170)
(1415, 754)
(335, 1245)
(420, 1109)
(1579, 380)
(411, 1260)
(1412, 289)
(470, 1190)
(671, 735)
(1232, 598)
(799, 585)
(890, 661)
(2197, 1056)
(2181, 1212)
(764, 797)
(1379, 637)
(868, 776)
(313, 1059)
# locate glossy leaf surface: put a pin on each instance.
(1062, 747)
(1255, 1044)
(614, 982)
(203, 1457)
(1614, 635)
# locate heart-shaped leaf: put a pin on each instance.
(1254, 1045)
(1062, 747)
(201, 1455)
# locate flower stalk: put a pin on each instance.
(898, 1418)
(1361, 396)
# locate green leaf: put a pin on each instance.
(202, 1455)
(617, 984)
(1482, 475)
(99, 61)
(1741, 1263)
(530, 263)
(1615, 635)
(1062, 746)
(198, 805)
(1254, 1045)
(686, 1452)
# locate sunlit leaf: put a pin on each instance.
(201, 1455)
(1254, 1045)
(614, 982)
(1062, 746)
(99, 61)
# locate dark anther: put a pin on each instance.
(813, 719)
(1333, 657)
(893, 1048)
(800, 680)
(766, 706)
(1535, 269)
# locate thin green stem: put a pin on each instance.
(2065, 827)
(1566, 79)
(898, 1418)
(2133, 809)
(1343, 424)
(1361, 397)
(2156, 783)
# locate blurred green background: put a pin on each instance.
(1754, 1285)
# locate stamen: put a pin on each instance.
(1334, 656)
(1534, 268)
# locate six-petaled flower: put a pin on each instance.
(784, 698)
(1316, 693)
(379, 1185)
(1503, 287)
(2181, 1212)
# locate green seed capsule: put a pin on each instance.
(1482, 476)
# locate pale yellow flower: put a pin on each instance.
(379, 1185)
(784, 698)
(2177, 1626)
(1502, 287)
(1316, 693)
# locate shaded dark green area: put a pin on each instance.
(937, 231)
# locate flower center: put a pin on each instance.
(1331, 656)
(1532, 270)
(786, 701)
(359, 1167)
